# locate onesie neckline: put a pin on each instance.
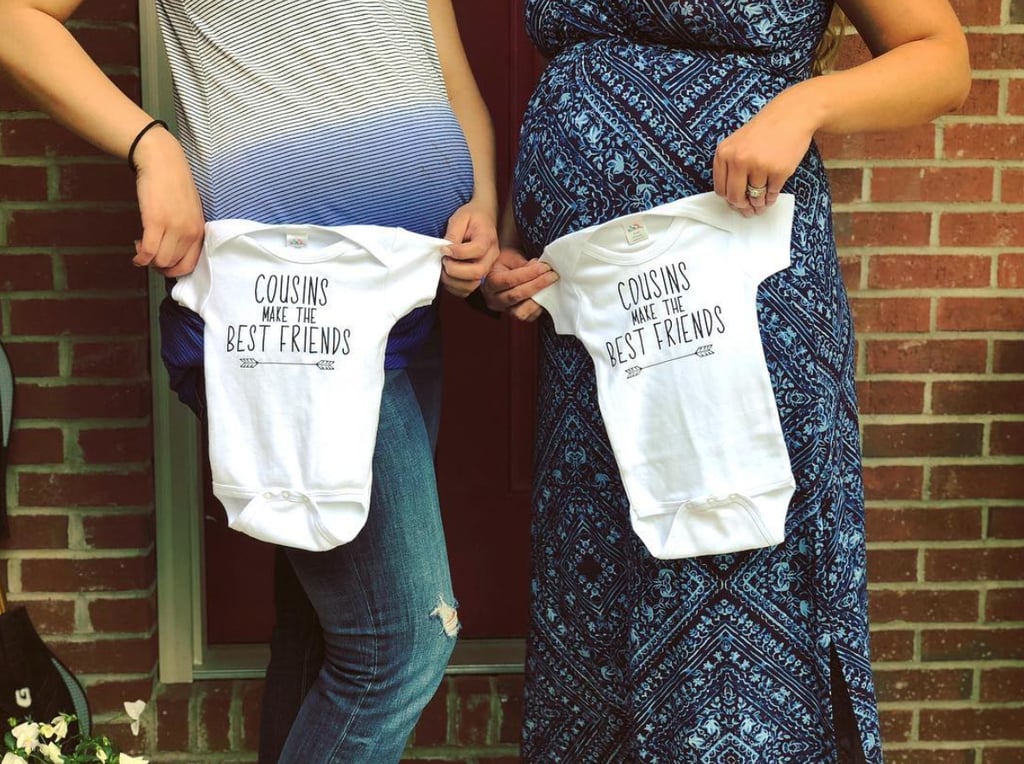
(343, 245)
(661, 244)
(346, 238)
(684, 212)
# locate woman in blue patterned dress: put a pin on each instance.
(755, 657)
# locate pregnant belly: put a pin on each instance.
(408, 169)
(617, 127)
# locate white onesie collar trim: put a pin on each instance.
(219, 232)
(707, 208)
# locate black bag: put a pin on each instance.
(33, 682)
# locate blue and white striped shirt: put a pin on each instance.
(328, 112)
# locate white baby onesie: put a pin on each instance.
(297, 319)
(665, 303)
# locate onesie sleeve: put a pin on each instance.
(766, 247)
(414, 270)
(193, 289)
(558, 299)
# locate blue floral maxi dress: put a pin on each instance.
(758, 657)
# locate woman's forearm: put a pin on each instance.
(920, 70)
(909, 85)
(466, 102)
(46, 61)
(476, 125)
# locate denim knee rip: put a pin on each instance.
(448, 616)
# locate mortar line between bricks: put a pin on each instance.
(52, 182)
(100, 639)
(936, 376)
(90, 555)
(64, 205)
(929, 666)
(988, 743)
(495, 716)
(951, 586)
(945, 705)
(943, 745)
(920, 629)
(57, 250)
(944, 504)
(128, 509)
(888, 250)
(941, 461)
(936, 209)
(966, 546)
(925, 420)
(1009, 120)
(66, 292)
(125, 510)
(941, 293)
(915, 164)
(103, 512)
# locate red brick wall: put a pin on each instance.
(931, 228)
(74, 320)
(931, 231)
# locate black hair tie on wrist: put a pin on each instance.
(135, 143)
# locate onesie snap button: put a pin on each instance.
(268, 495)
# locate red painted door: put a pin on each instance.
(485, 450)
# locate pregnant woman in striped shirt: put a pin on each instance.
(330, 113)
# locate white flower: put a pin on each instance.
(126, 759)
(12, 758)
(52, 752)
(100, 754)
(58, 728)
(134, 711)
(26, 736)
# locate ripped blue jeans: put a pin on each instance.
(363, 632)
(385, 605)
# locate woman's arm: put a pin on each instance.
(920, 70)
(472, 229)
(46, 61)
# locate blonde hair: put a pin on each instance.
(828, 47)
